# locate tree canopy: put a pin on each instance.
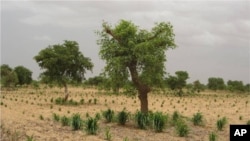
(8, 76)
(63, 63)
(216, 83)
(131, 52)
(178, 81)
(24, 75)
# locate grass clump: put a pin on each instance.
(182, 128)
(108, 135)
(91, 126)
(221, 123)
(56, 117)
(248, 122)
(122, 117)
(212, 136)
(76, 122)
(197, 119)
(65, 121)
(159, 121)
(108, 115)
(142, 120)
(176, 117)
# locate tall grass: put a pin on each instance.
(108, 115)
(197, 119)
(221, 123)
(159, 121)
(76, 122)
(122, 117)
(91, 126)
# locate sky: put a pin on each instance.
(213, 37)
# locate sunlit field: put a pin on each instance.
(28, 113)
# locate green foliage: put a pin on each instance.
(197, 86)
(24, 75)
(213, 136)
(8, 76)
(178, 81)
(108, 134)
(56, 117)
(76, 122)
(248, 122)
(216, 83)
(61, 101)
(142, 119)
(65, 121)
(91, 126)
(122, 117)
(182, 128)
(136, 53)
(108, 115)
(63, 63)
(235, 86)
(30, 138)
(175, 117)
(221, 123)
(96, 81)
(197, 119)
(159, 121)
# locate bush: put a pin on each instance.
(197, 119)
(212, 136)
(76, 122)
(221, 123)
(182, 128)
(91, 126)
(108, 115)
(122, 117)
(142, 120)
(159, 121)
(65, 121)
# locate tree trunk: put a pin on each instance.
(143, 89)
(143, 96)
(66, 92)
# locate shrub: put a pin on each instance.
(182, 128)
(159, 121)
(91, 126)
(108, 115)
(197, 119)
(65, 121)
(76, 122)
(212, 136)
(221, 123)
(56, 117)
(122, 117)
(142, 120)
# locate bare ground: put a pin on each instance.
(21, 112)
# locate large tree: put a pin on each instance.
(216, 83)
(24, 75)
(136, 53)
(63, 63)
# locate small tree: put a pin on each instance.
(8, 76)
(178, 82)
(215, 83)
(138, 53)
(63, 63)
(24, 75)
(197, 86)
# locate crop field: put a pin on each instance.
(30, 114)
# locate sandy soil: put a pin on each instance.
(21, 111)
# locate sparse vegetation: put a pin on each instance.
(91, 126)
(108, 115)
(76, 122)
(221, 123)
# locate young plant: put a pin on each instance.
(142, 120)
(122, 117)
(197, 119)
(91, 126)
(248, 122)
(221, 123)
(159, 121)
(108, 115)
(212, 136)
(175, 117)
(108, 134)
(65, 121)
(182, 128)
(56, 117)
(76, 122)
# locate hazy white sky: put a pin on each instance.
(213, 37)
